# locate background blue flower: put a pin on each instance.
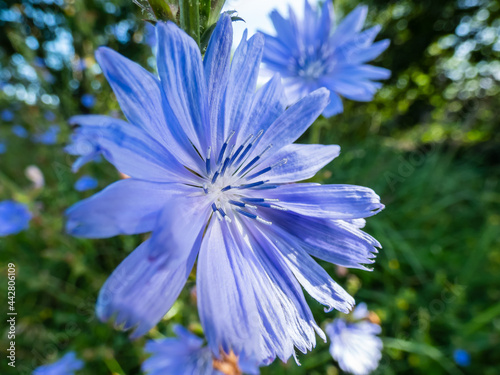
(67, 365)
(88, 100)
(313, 53)
(461, 357)
(86, 183)
(186, 354)
(48, 137)
(7, 115)
(14, 217)
(355, 345)
(49, 116)
(84, 143)
(234, 208)
(20, 131)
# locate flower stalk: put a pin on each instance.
(196, 17)
(189, 11)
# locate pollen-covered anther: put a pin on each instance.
(224, 146)
(254, 160)
(227, 364)
(267, 169)
(253, 216)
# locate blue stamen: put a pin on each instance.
(208, 166)
(215, 177)
(224, 167)
(249, 147)
(236, 203)
(265, 170)
(254, 184)
(252, 216)
(224, 146)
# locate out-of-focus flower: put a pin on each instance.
(49, 116)
(186, 354)
(461, 357)
(19, 131)
(88, 100)
(14, 217)
(313, 53)
(85, 144)
(67, 365)
(355, 345)
(86, 183)
(35, 175)
(212, 163)
(49, 137)
(3, 147)
(7, 115)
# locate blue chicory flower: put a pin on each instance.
(355, 345)
(314, 53)
(186, 354)
(88, 100)
(67, 365)
(14, 217)
(19, 131)
(211, 164)
(85, 144)
(461, 357)
(86, 183)
(48, 137)
(7, 115)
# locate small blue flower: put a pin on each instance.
(49, 137)
(49, 116)
(88, 100)
(186, 354)
(67, 365)
(86, 183)
(7, 115)
(461, 357)
(14, 217)
(212, 163)
(3, 147)
(19, 131)
(314, 53)
(355, 346)
(85, 144)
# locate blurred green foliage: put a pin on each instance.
(428, 144)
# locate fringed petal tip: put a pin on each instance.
(122, 320)
(344, 307)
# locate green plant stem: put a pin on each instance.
(190, 18)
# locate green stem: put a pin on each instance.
(8, 183)
(216, 9)
(205, 11)
(190, 18)
(162, 10)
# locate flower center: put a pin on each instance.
(233, 174)
(314, 62)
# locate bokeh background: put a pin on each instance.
(428, 144)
